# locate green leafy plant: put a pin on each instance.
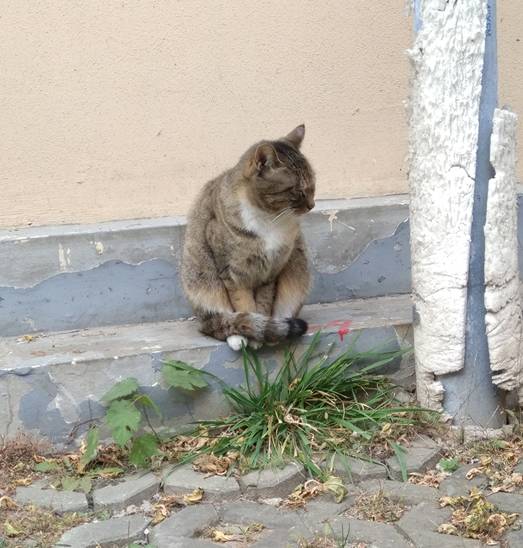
(449, 465)
(127, 416)
(313, 403)
(127, 411)
(180, 375)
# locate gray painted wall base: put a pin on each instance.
(70, 277)
(54, 383)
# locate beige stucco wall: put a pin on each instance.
(123, 109)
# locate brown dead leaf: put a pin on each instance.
(473, 472)
(448, 529)
(213, 465)
(10, 530)
(312, 488)
(162, 509)
(195, 497)
(7, 503)
(220, 536)
(431, 478)
(24, 482)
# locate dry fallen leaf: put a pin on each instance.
(11, 531)
(473, 472)
(195, 497)
(431, 478)
(213, 465)
(448, 529)
(24, 481)
(162, 509)
(7, 503)
(220, 536)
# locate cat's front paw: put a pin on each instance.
(255, 345)
(235, 342)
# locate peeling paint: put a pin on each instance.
(64, 258)
(502, 300)
(444, 102)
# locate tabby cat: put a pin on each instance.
(244, 265)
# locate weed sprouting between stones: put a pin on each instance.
(313, 405)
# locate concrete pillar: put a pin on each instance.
(454, 94)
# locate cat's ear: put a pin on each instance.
(265, 156)
(296, 135)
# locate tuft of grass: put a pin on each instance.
(378, 506)
(313, 404)
(474, 517)
(17, 461)
(35, 524)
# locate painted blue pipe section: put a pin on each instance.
(470, 396)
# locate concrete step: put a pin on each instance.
(52, 383)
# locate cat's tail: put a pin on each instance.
(252, 326)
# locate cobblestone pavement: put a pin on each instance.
(247, 511)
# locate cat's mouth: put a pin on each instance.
(303, 209)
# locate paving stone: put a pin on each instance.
(59, 501)
(273, 482)
(508, 502)
(183, 525)
(284, 537)
(458, 484)
(247, 512)
(355, 470)
(421, 523)
(422, 454)
(514, 539)
(105, 534)
(183, 479)
(518, 469)
(377, 534)
(322, 508)
(408, 493)
(133, 490)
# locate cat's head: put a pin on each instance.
(278, 175)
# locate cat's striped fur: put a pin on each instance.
(244, 265)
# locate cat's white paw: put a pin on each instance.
(235, 342)
(255, 345)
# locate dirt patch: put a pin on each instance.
(377, 506)
(29, 523)
(234, 535)
(474, 517)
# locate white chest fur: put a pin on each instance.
(275, 231)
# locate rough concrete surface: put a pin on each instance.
(443, 143)
(502, 297)
(422, 454)
(59, 501)
(106, 534)
(276, 524)
(51, 383)
(72, 277)
(133, 490)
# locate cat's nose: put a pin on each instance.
(310, 204)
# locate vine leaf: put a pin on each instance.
(180, 375)
(121, 389)
(144, 447)
(91, 448)
(123, 419)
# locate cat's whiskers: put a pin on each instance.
(281, 213)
